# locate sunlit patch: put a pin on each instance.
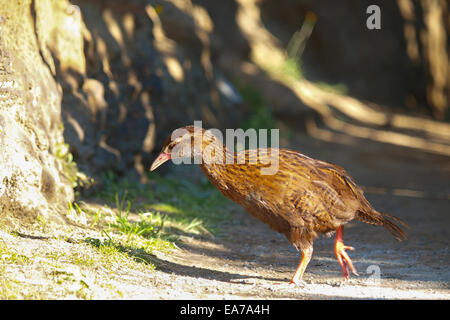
(164, 207)
(175, 69)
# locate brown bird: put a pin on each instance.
(302, 199)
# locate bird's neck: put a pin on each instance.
(215, 159)
(214, 153)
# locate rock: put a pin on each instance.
(147, 72)
(33, 182)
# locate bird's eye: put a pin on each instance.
(169, 149)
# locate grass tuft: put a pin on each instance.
(169, 203)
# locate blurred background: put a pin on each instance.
(95, 86)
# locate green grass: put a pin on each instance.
(146, 226)
(12, 288)
(137, 220)
(151, 217)
(9, 256)
(117, 254)
(164, 205)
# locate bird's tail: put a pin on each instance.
(383, 219)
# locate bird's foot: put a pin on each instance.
(298, 276)
(297, 282)
(344, 260)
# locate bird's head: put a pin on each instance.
(185, 142)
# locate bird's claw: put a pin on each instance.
(344, 260)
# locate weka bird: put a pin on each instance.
(302, 199)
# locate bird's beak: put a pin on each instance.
(163, 157)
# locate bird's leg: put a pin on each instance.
(306, 256)
(342, 256)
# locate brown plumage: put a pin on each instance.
(302, 199)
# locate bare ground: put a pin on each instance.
(250, 261)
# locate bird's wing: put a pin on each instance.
(349, 191)
(308, 206)
(328, 197)
(338, 179)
